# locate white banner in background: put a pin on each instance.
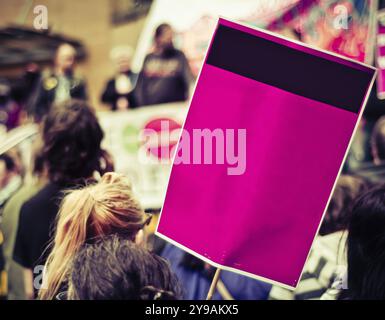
(138, 159)
(194, 22)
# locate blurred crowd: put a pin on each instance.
(165, 77)
(72, 228)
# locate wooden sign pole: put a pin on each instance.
(213, 285)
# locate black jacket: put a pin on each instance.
(110, 96)
(45, 94)
(164, 78)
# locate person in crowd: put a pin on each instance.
(361, 152)
(119, 90)
(25, 88)
(196, 277)
(10, 178)
(9, 109)
(327, 255)
(365, 250)
(72, 155)
(166, 75)
(374, 110)
(375, 171)
(115, 268)
(88, 214)
(10, 219)
(60, 85)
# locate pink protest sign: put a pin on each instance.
(264, 140)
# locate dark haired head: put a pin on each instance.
(164, 39)
(71, 137)
(378, 140)
(118, 269)
(366, 247)
(161, 29)
(338, 212)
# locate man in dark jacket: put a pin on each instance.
(60, 85)
(166, 75)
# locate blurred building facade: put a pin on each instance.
(87, 21)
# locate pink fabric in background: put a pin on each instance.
(264, 221)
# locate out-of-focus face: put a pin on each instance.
(65, 58)
(165, 39)
(121, 56)
(123, 63)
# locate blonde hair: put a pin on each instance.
(90, 213)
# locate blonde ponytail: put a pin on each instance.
(92, 212)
